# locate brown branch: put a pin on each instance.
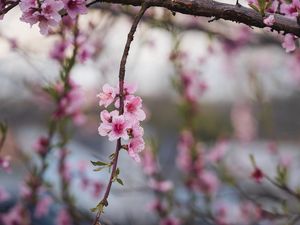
(9, 7)
(283, 187)
(210, 8)
(104, 201)
(165, 23)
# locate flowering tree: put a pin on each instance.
(204, 171)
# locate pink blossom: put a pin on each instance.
(42, 207)
(249, 212)
(59, 49)
(157, 206)
(27, 5)
(118, 128)
(47, 15)
(270, 20)
(75, 7)
(97, 189)
(218, 152)
(70, 105)
(136, 130)
(208, 182)
(63, 218)
(133, 109)
(85, 52)
(285, 160)
(161, 186)
(5, 163)
(84, 182)
(273, 7)
(221, 214)
(51, 8)
(129, 89)
(135, 146)
(290, 9)
(193, 87)
(68, 22)
(25, 191)
(106, 118)
(4, 195)
(148, 162)
(170, 221)
(14, 216)
(184, 160)
(41, 146)
(289, 43)
(243, 122)
(107, 96)
(272, 147)
(257, 175)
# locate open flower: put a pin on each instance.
(135, 146)
(75, 7)
(107, 95)
(133, 109)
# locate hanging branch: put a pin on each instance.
(104, 202)
(218, 10)
(207, 8)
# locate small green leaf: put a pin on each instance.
(112, 156)
(99, 163)
(94, 209)
(120, 181)
(98, 169)
(252, 159)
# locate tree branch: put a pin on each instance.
(104, 201)
(210, 8)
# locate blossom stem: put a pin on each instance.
(104, 201)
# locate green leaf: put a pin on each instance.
(99, 163)
(252, 159)
(94, 209)
(117, 171)
(120, 181)
(254, 7)
(112, 156)
(98, 169)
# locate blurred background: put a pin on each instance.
(250, 100)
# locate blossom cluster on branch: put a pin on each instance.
(127, 125)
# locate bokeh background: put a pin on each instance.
(247, 72)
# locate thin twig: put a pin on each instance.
(104, 201)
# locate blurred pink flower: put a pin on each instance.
(4, 195)
(170, 221)
(161, 186)
(63, 218)
(135, 146)
(257, 175)
(243, 122)
(13, 217)
(208, 182)
(217, 152)
(270, 20)
(148, 162)
(41, 146)
(289, 43)
(75, 7)
(42, 207)
(5, 163)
